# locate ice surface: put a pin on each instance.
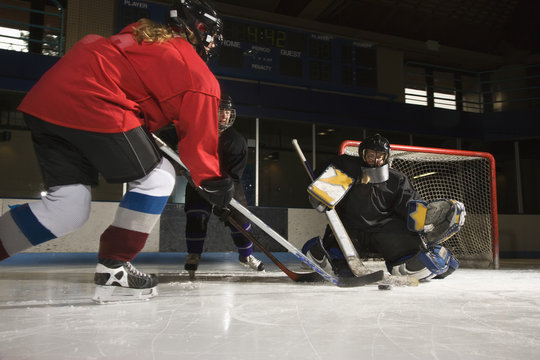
(230, 312)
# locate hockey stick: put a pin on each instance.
(342, 282)
(351, 256)
(298, 277)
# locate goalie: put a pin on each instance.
(383, 214)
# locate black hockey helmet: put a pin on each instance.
(200, 18)
(377, 143)
(226, 112)
(225, 102)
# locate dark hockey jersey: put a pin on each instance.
(374, 207)
(232, 150)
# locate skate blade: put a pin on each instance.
(191, 274)
(116, 294)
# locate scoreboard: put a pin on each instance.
(258, 51)
(282, 55)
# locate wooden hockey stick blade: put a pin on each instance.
(298, 277)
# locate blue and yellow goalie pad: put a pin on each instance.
(436, 221)
(331, 186)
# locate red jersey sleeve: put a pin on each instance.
(197, 129)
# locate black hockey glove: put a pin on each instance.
(218, 191)
(221, 212)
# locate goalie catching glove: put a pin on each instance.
(218, 191)
(435, 221)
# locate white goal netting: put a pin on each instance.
(465, 176)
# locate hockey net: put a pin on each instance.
(466, 176)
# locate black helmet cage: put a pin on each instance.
(377, 143)
(200, 18)
(226, 104)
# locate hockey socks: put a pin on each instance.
(133, 222)
(19, 230)
(137, 213)
(244, 245)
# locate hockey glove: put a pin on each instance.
(221, 212)
(218, 191)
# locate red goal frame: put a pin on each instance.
(493, 183)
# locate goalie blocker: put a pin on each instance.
(329, 188)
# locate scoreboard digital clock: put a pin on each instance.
(282, 55)
(265, 52)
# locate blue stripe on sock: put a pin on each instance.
(30, 225)
(144, 203)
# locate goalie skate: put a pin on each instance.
(119, 281)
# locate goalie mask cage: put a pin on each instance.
(466, 176)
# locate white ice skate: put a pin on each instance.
(120, 281)
(251, 262)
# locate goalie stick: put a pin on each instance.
(341, 282)
(351, 256)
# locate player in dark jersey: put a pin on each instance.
(374, 212)
(232, 151)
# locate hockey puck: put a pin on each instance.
(384, 287)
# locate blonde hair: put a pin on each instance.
(148, 31)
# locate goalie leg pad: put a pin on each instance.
(435, 221)
(437, 262)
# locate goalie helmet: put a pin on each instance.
(379, 154)
(200, 18)
(226, 113)
(374, 153)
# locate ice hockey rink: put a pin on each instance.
(229, 312)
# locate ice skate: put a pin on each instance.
(191, 265)
(120, 281)
(251, 262)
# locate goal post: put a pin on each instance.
(466, 176)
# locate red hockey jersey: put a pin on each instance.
(114, 84)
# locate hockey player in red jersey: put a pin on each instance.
(232, 151)
(91, 114)
(376, 214)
